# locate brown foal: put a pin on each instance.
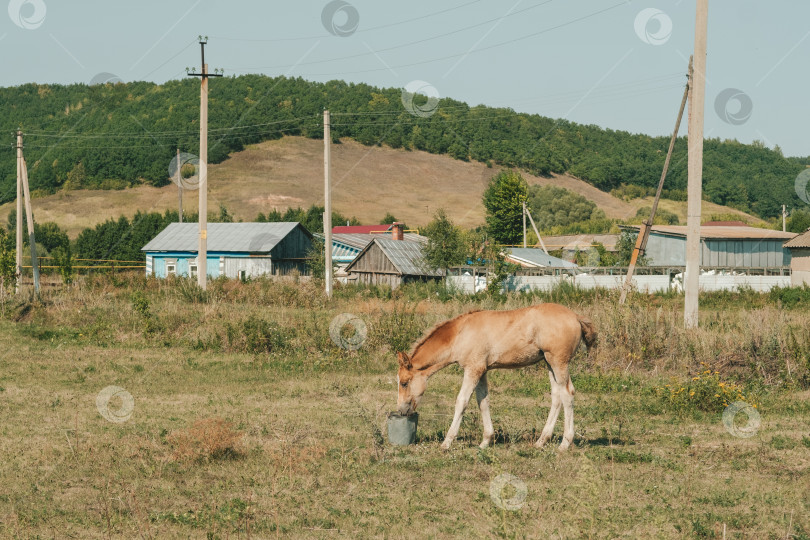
(483, 340)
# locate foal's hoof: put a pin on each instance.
(564, 446)
(446, 445)
(484, 444)
(540, 443)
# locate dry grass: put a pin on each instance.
(368, 182)
(208, 439)
(315, 462)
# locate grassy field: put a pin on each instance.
(246, 420)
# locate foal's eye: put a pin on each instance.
(404, 385)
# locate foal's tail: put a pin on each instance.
(589, 334)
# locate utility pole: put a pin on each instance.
(19, 240)
(202, 253)
(784, 218)
(524, 224)
(646, 226)
(179, 187)
(29, 218)
(327, 197)
(539, 238)
(697, 92)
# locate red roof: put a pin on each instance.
(361, 229)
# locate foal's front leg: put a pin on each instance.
(470, 381)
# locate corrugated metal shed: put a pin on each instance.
(223, 237)
(537, 258)
(720, 246)
(723, 231)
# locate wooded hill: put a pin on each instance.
(112, 136)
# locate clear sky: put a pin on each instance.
(618, 64)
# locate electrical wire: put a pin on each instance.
(439, 59)
(409, 44)
(389, 25)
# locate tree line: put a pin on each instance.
(117, 135)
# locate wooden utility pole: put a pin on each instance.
(202, 253)
(539, 238)
(327, 197)
(179, 181)
(646, 226)
(524, 224)
(697, 91)
(19, 237)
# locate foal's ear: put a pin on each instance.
(404, 361)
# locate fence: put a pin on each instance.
(649, 279)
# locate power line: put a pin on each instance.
(411, 43)
(439, 59)
(389, 25)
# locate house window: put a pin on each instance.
(171, 269)
(192, 269)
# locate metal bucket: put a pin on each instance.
(402, 428)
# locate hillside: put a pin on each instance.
(368, 182)
(111, 136)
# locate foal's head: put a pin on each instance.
(411, 384)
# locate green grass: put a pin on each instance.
(316, 462)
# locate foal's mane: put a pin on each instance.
(436, 327)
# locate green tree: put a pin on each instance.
(799, 221)
(503, 201)
(553, 206)
(624, 249)
(445, 246)
(7, 260)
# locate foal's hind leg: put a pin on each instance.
(482, 395)
(553, 413)
(470, 382)
(567, 395)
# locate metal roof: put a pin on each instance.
(572, 241)
(723, 231)
(801, 241)
(405, 256)
(538, 257)
(361, 229)
(235, 237)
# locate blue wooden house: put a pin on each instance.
(235, 250)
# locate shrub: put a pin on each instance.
(705, 392)
(208, 439)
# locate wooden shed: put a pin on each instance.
(386, 261)
(799, 259)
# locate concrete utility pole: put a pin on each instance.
(19, 237)
(697, 93)
(327, 197)
(784, 218)
(29, 218)
(179, 187)
(202, 253)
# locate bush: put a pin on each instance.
(208, 439)
(704, 392)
